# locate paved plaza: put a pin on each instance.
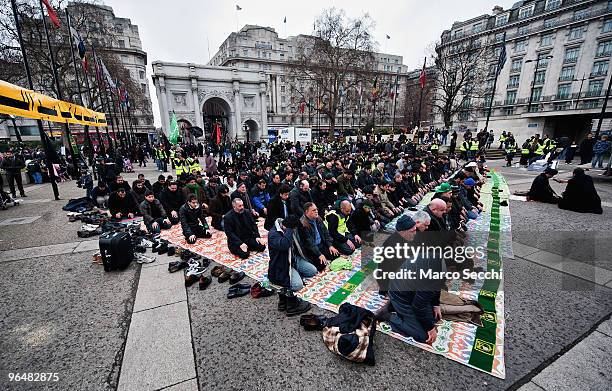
(141, 329)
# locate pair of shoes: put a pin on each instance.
(140, 248)
(236, 277)
(176, 266)
(204, 282)
(140, 258)
(313, 322)
(171, 251)
(238, 290)
(221, 272)
(23, 195)
(258, 291)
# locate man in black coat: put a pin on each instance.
(279, 206)
(541, 190)
(172, 199)
(315, 241)
(120, 183)
(219, 206)
(300, 196)
(153, 213)
(586, 149)
(580, 194)
(12, 165)
(122, 205)
(241, 230)
(193, 223)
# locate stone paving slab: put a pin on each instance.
(189, 385)
(43, 251)
(157, 287)
(582, 270)
(158, 351)
(531, 386)
(88, 245)
(585, 367)
(606, 328)
(522, 250)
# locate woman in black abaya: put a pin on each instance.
(580, 194)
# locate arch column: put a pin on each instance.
(237, 122)
(164, 105)
(196, 104)
(264, 112)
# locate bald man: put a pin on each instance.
(436, 210)
(337, 223)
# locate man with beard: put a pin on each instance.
(279, 207)
(172, 199)
(153, 213)
(158, 186)
(219, 206)
(299, 196)
(193, 223)
(121, 205)
(241, 230)
(138, 191)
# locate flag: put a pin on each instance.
(285, 20)
(52, 14)
(388, 37)
(238, 8)
(502, 59)
(375, 89)
(107, 76)
(78, 41)
(174, 131)
(422, 75)
(85, 64)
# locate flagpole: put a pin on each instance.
(497, 71)
(116, 117)
(375, 96)
(103, 98)
(90, 96)
(41, 131)
(78, 81)
(394, 102)
(421, 95)
(69, 150)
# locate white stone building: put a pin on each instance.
(558, 53)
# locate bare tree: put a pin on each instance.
(461, 72)
(331, 62)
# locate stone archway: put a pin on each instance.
(251, 130)
(217, 110)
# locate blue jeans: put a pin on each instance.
(598, 160)
(472, 215)
(160, 167)
(304, 269)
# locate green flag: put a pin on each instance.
(174, 131)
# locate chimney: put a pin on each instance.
(497, 10)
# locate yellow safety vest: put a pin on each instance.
(540, 149)
(474, 145)
(434, 147)
(464, 146)
(180, 167)
(502, 138)
(525, 151)
(342, 228)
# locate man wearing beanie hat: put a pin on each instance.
(286, 268)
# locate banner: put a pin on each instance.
(20, 102)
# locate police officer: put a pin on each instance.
(510, 150)
(502, 140)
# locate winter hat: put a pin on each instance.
(469, 182)
(404, 223)
(444, 187)
(471, 164)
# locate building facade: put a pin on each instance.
(258, 48)
(203, 96)
(556, 74)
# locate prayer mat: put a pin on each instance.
(481, 348)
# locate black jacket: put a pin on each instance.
(279, 243)
(364, 179)
(541, 190)
(436, 224)
(13, 165)
(307, 238)
(152, 211)
(218, 207)
(298, 199)
(239, 227)
(276, 210)
(360, 221)
(123, 205)
(172, 200)
(191, 219)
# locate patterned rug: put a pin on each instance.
(481, 348)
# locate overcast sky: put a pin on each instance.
(182, 30)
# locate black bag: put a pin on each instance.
(117, 250)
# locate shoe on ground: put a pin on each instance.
(282, 301)
(140, 258)
(236, 277)
(237, 292)
(174, 267)
(195, 270)
(204, 282)
(224, 276)
(297, 306)
(191, 279)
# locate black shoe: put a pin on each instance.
(236, 277)
(204, 282)
(238, 292)
(191, 279)
(140, 249)
(297, 306)
(282, 301)
(162, 249)
(174, 267)
(171, 251)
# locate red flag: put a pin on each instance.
(52, 14)
(85, 65)
(218, 133)
(422, 76)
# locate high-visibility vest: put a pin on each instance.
(525, 151)
(342, 228)
(474, 145)
(464, 146)
(193, 164)
(511, 148)
(550, 145)
(434, 147)
(540, 149)
(180, 167)
(502, 138)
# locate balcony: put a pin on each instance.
(592, 94)
(599, 73)
(570, 60)
(513, 85)
(566, 78)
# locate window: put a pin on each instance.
(500, 20)
(537, 94)
(119, 29)
(523, 30)
(121, 43)
(607, 26)
(520, 46)
(245, 52)
(564, 91)
(571, 55)
(464, 116)
(282, 56)
(497, 52)
(124, 58)
(604, 49)
(141, 74)
(600, 68)
(540, 77)
(499, 37)
(567, 73)
(516, 65)
(595, 88)
(552, 4)
(526, 12)
(143, 87)
(513, 81)
(548, 23)
(543, 60)
(477, 28)
(581, 14)
(282, 88)
(456, 34)
(510, 97)
(576, 32)
(546, 40)
(510, 111)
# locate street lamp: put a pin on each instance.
(535, 71)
